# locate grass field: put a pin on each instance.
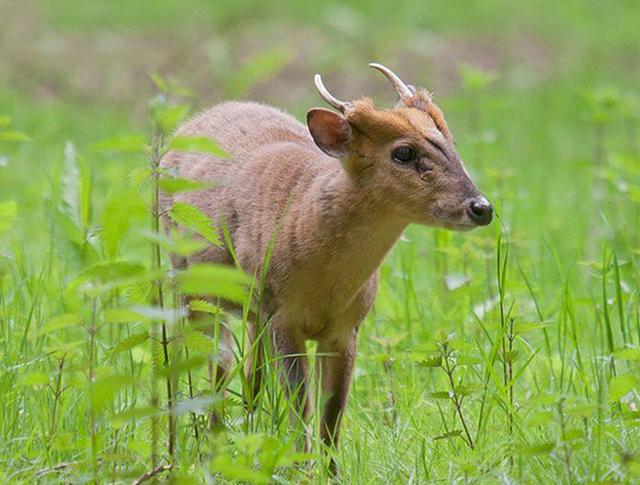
(507, 355)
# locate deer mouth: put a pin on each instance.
(465, 217)
(461, 226)
(452, 219)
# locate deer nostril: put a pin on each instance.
(480, 211)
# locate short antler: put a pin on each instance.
(328, 97)
(405, 92)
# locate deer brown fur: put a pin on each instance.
(333, 196)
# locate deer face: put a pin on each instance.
(405, 157)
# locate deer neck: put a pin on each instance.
(352, 227)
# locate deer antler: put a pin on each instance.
(405, 92)
(342, 106)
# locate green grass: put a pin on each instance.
(511, 353)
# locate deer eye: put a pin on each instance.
(404, 154)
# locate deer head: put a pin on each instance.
(404, 157)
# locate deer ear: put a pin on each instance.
(330, 131)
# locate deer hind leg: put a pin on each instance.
(336, 367)
(222, 360)
(254, 365)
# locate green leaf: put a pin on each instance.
(379, 357)
(176, 185)
(35, 379)
(170, 86)
(139, 175)
(225, 282)
(107, 275)
(130, 342)
(70, 182)
(390, 340)
(179, 244)
(468, 359)
(628, 353)
(59, 322)
(5, 120)
(468, 389)
(186, 246)
(133, 414)
(12, 135)
(441, 337)
(434, 361)
(198, 144)
(583, 410)
(132, 143)
(112, 271)
(450, 434)
(524, 327)
(511, 356)
(441, 394)
(573, 434)
(182, 366)
(537, 449)
(66, 225)
(64, 350)
(121, 315)
(238, 471)
(620, 385)
(192, 217)
(204, 306)
(84, 195)
(161, 83)
(76, 191)
(541, 418)
(104, 390)
(8, 213)
(198, 341)
(121, 208)
(168, 117)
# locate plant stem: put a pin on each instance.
(455, 398)
(388, 369)
(57, 392)
(510, 337)
(156, 155)
(93, 425)
(565, 446)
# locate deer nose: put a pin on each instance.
(480, 211)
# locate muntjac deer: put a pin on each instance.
(331, 198)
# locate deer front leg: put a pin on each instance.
(290, 350)
(337, 369)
